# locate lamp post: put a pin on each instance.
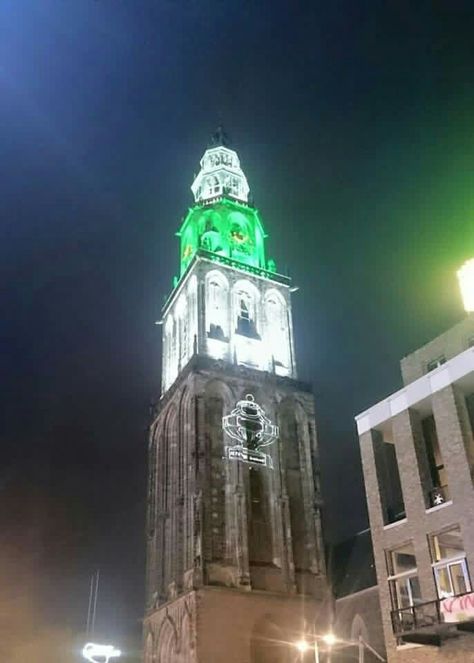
(330, 640)
(303, 646)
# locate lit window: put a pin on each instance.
(435, 363)
(449, 563)
(403, 579)
(216, 309)
(245, 324)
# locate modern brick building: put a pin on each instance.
(235, 563)
(417, 452)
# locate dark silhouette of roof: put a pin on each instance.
(351, 565)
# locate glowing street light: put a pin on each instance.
(466, 284)
(329, 639)
(302, 646)
(99, 653)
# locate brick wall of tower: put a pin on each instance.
(201, 533)
(199, 500)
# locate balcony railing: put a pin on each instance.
(415, 617)
(432, 615)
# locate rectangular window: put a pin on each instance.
(404, 585)
(436, 490)
(449, 563)
(388, 478)
(401, 560)
(435, 363)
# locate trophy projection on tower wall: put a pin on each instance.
(251, 428)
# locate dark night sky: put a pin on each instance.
(353, 121)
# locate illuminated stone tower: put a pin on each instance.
(235, 559)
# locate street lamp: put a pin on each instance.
(303, 646)
(92, 652)
(330, 640)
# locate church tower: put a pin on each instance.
(235, 566)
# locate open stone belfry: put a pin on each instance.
(235, 566)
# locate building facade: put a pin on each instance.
(417, 452)
(235, 567)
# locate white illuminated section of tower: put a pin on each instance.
(466, 284)
(227, 304)
(220, 174)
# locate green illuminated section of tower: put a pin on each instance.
(222, 222)
(225, 228)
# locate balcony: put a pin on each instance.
(434, 621)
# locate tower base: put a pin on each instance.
(221, 625)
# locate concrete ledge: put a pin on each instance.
(454, 370)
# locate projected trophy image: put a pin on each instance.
(251, 428)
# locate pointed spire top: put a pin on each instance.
(220, 138)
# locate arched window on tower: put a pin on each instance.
(210, 232)
(290, 436)
(192, 314)
(169, 348)
(246, 311)
(217, 306)
(260, 540)
(241, 238)
(212, 186)
(182, 332)
(232, 185)
(215, 514)
(276, 332)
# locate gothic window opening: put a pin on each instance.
(245, 324)
(277, 329)
(240, 240)
(260, 544)
(184, 341)
(290, 433)
(211, 238)
(215, 511)
(213, 186)
(217, 309)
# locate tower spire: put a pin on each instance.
(220, 172)
(220, 138)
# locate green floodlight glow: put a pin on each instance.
(466, 284)
(226, 228)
